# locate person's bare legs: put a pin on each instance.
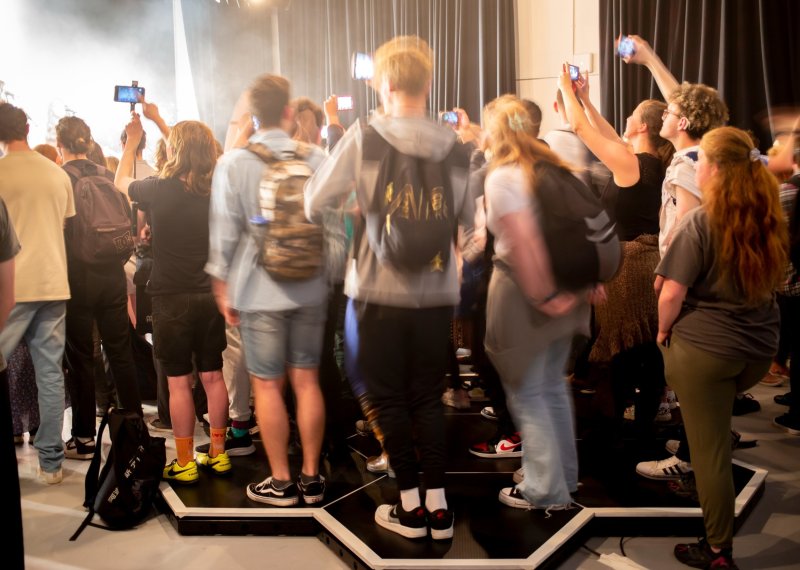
(217, 396)
(181, 405)
(273, 421)
(310, 415)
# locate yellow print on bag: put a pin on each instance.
(410, 206)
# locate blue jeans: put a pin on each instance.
(43, 325)
(542, 408)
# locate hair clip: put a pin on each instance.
(755, 155)
(515, 122)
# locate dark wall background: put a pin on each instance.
(748, 49)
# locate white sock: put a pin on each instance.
(434, 499)
(410, 499)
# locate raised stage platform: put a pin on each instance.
(612, 501)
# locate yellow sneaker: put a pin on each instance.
(219, 465)
(186, 474)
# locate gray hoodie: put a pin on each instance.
(342, 172)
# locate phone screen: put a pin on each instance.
(362, 66)
(344, 102)
(626, 47)
(450, 117)
(574, 72)
(128, 93)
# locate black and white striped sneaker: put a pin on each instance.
(267, 492)
(664, 470)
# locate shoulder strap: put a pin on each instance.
(72, 170)
(91, 483)
(262, 152)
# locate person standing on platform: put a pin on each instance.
(281, 321)
(718, 319)
(403, 298)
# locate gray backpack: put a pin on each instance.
(100, 232)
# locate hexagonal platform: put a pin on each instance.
(613, 501)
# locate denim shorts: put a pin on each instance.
(273, 340)
(188, 325)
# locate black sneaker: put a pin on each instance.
(412, 524)
(76, 449)
(788, 423)
(784, 399)
(745, 404)
(234, 446)
(700, 555)
(440, 522)
(266, 492)
(312, 492)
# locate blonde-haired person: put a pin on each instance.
(529, 322)
(187, 326)
(403, 314)
(718, 319)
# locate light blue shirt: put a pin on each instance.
(233, 252)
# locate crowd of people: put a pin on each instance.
(269, 252)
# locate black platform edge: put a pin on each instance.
(355, 554)
(316, 521)
(667, 521)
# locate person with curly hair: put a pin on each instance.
(718, 319)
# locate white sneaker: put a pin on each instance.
(663, 415)
(51, 477)
(519, 475)
(672, 399)
(672, 446)
(488, 413)
(664, 470)
(512, 497)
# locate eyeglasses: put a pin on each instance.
(667, 113)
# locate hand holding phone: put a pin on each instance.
(128, 94)
(449, 118)
(574, 72)
(626, 47)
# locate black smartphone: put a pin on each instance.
(449, 117)
(574, 72)
(128, 93)
(626, 47)
(361, 65)
(344, 102)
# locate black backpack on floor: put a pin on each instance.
(124, 491)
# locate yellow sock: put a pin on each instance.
(217, 441)
(185, 449)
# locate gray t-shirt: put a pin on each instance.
(714, 316)
(9, 247)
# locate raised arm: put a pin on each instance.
(597, 120)
(124, 175)
(150, 111)
(614, 154)
(644, 55)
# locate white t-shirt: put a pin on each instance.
(680, 172)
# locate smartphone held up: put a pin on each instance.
(449, 118)
(344, 103)
(128, 93)
(574, 72)
(362, 66)
(626, 47)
